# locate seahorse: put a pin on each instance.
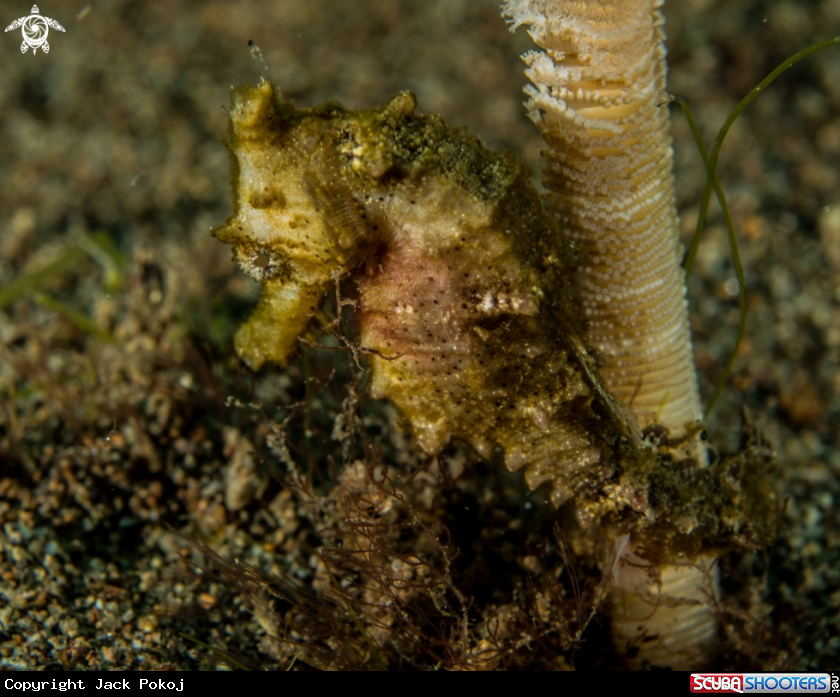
(468, 316)
(464, 302)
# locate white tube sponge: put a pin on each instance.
(597, 97)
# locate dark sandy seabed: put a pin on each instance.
(116, 356)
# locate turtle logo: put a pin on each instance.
(35, 28)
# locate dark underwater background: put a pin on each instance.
(117, 308)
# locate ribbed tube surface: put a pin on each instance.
(597, 97)
(665, 620)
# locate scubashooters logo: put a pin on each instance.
(35, 28)
(755, 683)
